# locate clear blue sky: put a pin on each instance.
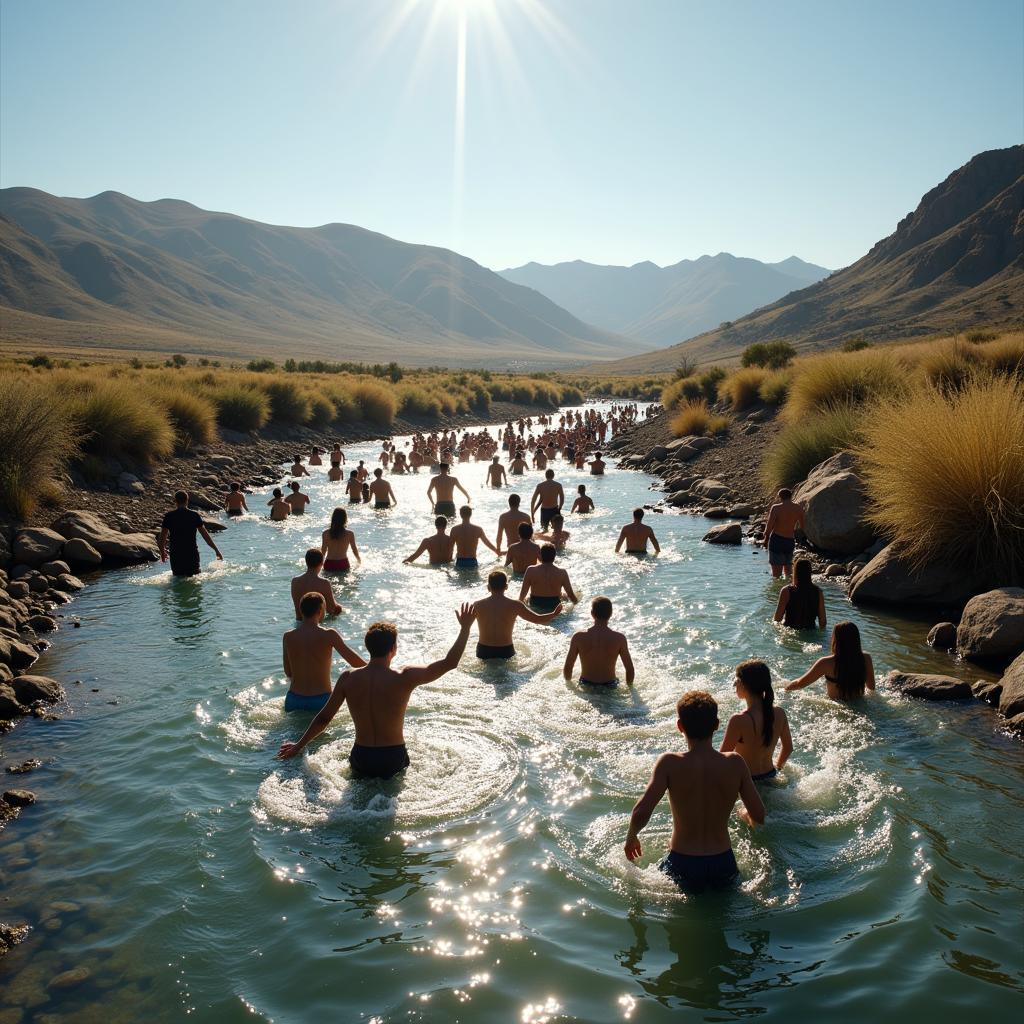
(600, 130)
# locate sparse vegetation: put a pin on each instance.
(694, 417)
(115, 420)
(742, 387)
(855, 345)
(803, 444)
(843, 378)
(774, 355)
(193, 416)
(774, 388)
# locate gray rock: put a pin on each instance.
(890, 579)
(716, 512)
(942, 636)
(929, 687)
(835, 506)
(992, 626)
(114, 546)
(68, 583)
(19, 797)
(70, 979)
(1011, 700)
(741, 511)
(54, 568)
(29, 689)
(16, 654)
(22, 572)
(42, 623)
(658, 453)
(80, 552)
(727, 533)
(680, 499)
(710, 488)
(835, 569)
(10, 706)
(751, 428)
(35, 545)
(702, 444)
(127, 481)
(220, 461)
(17, 590)
(38, 584)
(989, 692)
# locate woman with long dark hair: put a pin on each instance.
(848, 670)
(755, 733)
(336, 541)
(801, 603)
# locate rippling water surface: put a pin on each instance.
(192, 874)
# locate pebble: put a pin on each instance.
(69, 979)
(24, 767)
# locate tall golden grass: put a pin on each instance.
(694, 417)
(844, 378)
(945, 473)
(742, 387)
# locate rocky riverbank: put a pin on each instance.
(719, 478)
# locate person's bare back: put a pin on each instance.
(599, 650)
(311, 582)
(508, 526)
(522, 555)
(308, 651)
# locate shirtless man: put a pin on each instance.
(543, 583)
(635, 536)
(703, 786)
(583, 503)
(441, 491)
(279, 508)
(540, 458)
(509, 522)
(380, 491)
(525, 552)
(597, 465)
(496, 617)
(439, 547)
(334, 473)
(297, 501)
(298, 469)
(361, 471)
(598, 648)
(311, 582)
(234, 501)
(314, 457)
(378, 696)
(337, 456)
(518, 466)
(467, 536)
(354, 488)
(549, 497)
(779, 532)
(557, 534)
(308, 650)
(496, 475)
(415, 459)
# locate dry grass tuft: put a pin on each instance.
(694, 417)
(844, 378)
(945, 474)
(803, 444)
(742, 387)
(193, 416)
(118, 419)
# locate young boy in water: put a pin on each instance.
(703, 786)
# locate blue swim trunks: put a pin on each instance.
(466, 563)
(301, 702)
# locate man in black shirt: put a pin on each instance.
(181, 526)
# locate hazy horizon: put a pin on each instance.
(558, 131)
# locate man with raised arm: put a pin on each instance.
(635, 536)
(496, 617)
(441, 491)
(439, 548)
(308, 650)
(703, 786)
(780, 532)
(378, 696)
(599, 650)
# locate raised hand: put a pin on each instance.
(466, 614)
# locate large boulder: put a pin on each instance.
(992, 626)
(929, 687)
(80, 552)
(727, 533)
(55, 568)
(835, 506)
(10, 706)
(1011, 699)
(659, 453)
(890, 579)
(30, 689)
(702, 444)
(35, 545)
(710, 488)
(15, 653)
(942, 636)
(114, 546)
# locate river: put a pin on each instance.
(194, 876)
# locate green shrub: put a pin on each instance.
(774, 388)
(321, 410)
(240, 407)
(855, 345)
(709, 381)
(802, 445)
(945, 475)
(771, 354)
(687, 389)
(266, 365)
(37, 440)
(42, 361)
(949, 365)
(742, 387)
(122, 422)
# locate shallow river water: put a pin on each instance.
(194, 875)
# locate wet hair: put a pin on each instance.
(181, 496)
(441, 521)
(294, 485)
(465, 511)
(354, 474)
(601, 608)
(513, 501)
(697, 712)
(785, 493)
(547, 553)
(278, 493)
(525, 530)
(802, 606)
(756, 678)
(339, 520)
(549, 474)
(314, 557)
(497, 580)
(236, 487)
(381, 639)
(310, 604)
(597, 455)
(849, 660)
(638, 513)
(582, 489)
(443, 467)
(378, 473)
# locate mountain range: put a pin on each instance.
(955, 262)
(113, 272)
(663, 305)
